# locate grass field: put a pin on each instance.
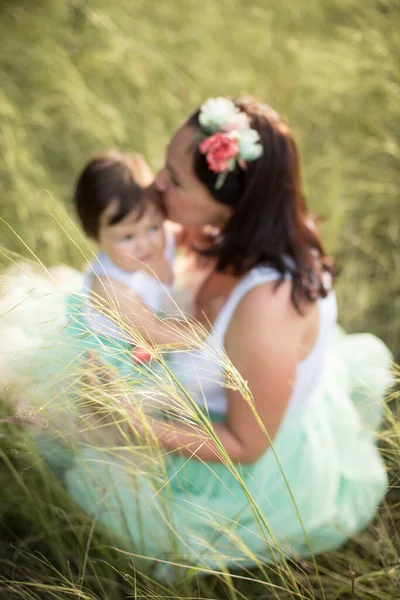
(80, 75)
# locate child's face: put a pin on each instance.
(132, 243)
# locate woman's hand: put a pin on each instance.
(110, 426)
(100, 377)
(106, 405)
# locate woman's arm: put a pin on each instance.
(264, 343)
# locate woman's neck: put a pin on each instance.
(213, 295)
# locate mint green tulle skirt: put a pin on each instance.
(320, 482)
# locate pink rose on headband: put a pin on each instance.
(219, 149)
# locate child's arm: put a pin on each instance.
(120, 303)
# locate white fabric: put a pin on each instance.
(154, 293)
(202, 371)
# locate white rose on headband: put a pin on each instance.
(215, 112)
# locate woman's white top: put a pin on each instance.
(154, 293)
(201, 371)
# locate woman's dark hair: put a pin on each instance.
(270, 223)
(107, 176)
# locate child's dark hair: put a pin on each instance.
(108, 176)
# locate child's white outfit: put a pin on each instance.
(153, 292)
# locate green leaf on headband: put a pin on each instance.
(200, 136)
(221, 180)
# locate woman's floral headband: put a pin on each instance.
(231, 141)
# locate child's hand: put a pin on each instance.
(141, 170)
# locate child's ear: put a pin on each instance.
(141, 171)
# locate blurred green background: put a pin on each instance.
(80, 75)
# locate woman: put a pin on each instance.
(288, 465)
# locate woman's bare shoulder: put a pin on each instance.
(266, 313)
(267, 316)
(267, 300)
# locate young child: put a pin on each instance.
(52, 320)
(129, 284)
(127, 287)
